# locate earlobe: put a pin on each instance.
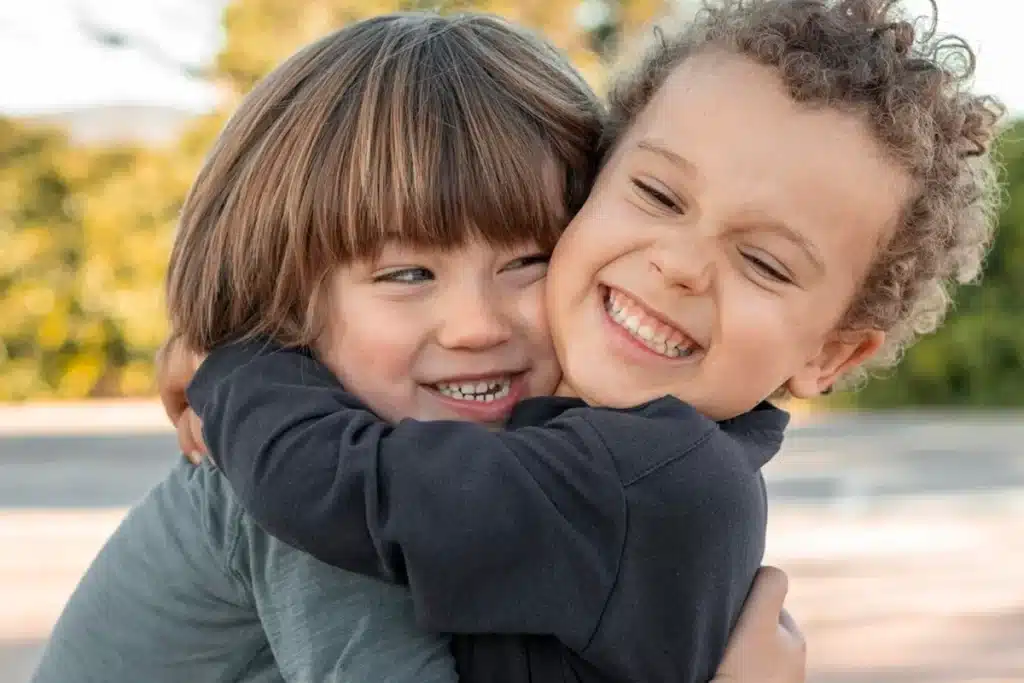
(843, 353)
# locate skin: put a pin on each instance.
(467, 312)
(740, 224)
(741, 220)
(412, 319)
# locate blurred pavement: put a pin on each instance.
(903, 537)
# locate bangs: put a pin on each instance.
(428, 130)
(436, 152)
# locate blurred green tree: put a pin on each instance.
(85, 231)
(977, 358)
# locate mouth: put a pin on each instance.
(485, 390)
(644, 328)
(485, 399)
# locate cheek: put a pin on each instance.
(766, 335)
(602, 232)
(370, 346)
(533, 326)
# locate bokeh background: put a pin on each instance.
(897, 510)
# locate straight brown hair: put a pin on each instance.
(424, 129)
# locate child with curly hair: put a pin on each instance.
(789, 190)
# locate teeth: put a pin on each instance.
(653, 334)
(483, 392)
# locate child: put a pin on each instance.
(341, 144)
(789, 188)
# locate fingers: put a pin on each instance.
(765, 603)
(194, 457)
(787, 622)
(190, 437)
(195, 426)
(175, 367)
(172, 379)
(796, 637)
(185, 443)
(766, 644)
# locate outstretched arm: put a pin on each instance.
(494, 531)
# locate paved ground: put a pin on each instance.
(904, 538)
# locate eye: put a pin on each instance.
(767, 269)
(527, 262)
(409, 276)
(656, 196)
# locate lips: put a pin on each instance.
(645, 328)
(483, 391)
(485, 399)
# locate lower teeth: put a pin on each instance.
(479, 398)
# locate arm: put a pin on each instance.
(158, 603)
(503, 532)
(765, 647)
(697, 535)
(330, 626)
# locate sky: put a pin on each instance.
(48, 63)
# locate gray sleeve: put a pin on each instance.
(325, 624)
(158, 603)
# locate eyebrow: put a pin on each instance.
(796, 238)
(775, 226)
(675, 159)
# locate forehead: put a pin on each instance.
(753, 148)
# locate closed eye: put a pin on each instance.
(412, 275)
(767, 269)
(527, 261)
(656, 196)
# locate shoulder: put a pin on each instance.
(708, 488)
(671, 443)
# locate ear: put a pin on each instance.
(843, 352)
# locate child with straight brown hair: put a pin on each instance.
(449, 150)
(789, 192)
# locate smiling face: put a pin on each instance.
(721, 245)
(430, 334)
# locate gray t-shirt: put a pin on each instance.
(189, 589)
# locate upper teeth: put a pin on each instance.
(477, 391)
(651, 332)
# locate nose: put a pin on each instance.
(474, 319)
(685, 261)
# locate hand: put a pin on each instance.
(767, 646)
(190, 436)
(175, 367)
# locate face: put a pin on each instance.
(442, 334)
(722, 244)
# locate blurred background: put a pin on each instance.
(898, 511)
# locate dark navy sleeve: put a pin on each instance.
(632, 536)
(697, 526)
(493, 531)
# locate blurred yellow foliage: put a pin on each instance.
(85, 231)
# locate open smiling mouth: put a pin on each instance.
(481, 391)
(644, 328)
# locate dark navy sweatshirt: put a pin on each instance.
(578, 544)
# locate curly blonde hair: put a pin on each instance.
(866, 56)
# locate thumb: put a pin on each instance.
(765, 603)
